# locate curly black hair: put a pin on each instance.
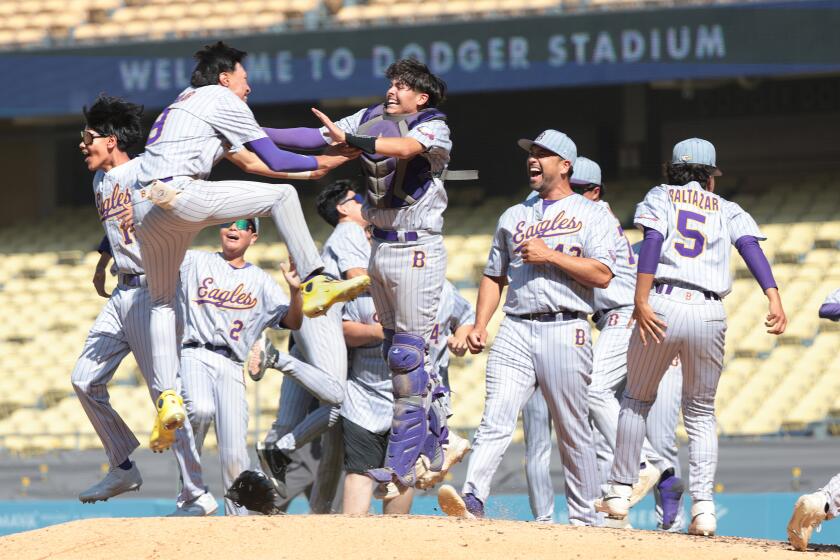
(114, 116)
(684, 173)
(418, 77)
(329, 198)
(212, 61)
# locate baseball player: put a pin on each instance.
(225, 303)
(536, 426)
(112, 125)
(405, 144)
(824, 504)
(682, 276)
(209, 120)
(551, 251)
(320, 341)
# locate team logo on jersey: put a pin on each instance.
(118, 203)
(237, 298)
(559, 225)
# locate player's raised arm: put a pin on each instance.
(294, 316)
(586, 271)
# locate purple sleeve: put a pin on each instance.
(650, 251)
(300, 138)
(756, 261)
(104, 246)
(280, 160)
(830, 311)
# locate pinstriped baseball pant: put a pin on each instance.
(165, 236)
(536, 423)
(122, 327)
(696, 330)
(832, 492)
(662, 430)
(555, 358)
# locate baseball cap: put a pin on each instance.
(553, 141)
(695, 151)
(586, 172)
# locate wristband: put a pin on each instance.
(365, 143)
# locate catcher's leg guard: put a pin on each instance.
(410, 425)
(438, 431)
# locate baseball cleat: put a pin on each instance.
(161, 438)
(454, 505)
(809, 512)
(454, 453)
(388, 491)
(115, 483)
(202, 506)
(648, 477)
(259, 357)
(703, 520)
(616, 502)
(274, 463)
(611, 523)
(671, 489)
(170, 406)
(320, 292)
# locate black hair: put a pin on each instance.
(683, 173)
(114, 116)
(329, 198)
(212, 61)
(418, 77)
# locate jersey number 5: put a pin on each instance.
(683, 217)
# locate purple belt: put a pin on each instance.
(221, 350)
(551, 316)
(130, 280)
(390, 235)
(668, 288)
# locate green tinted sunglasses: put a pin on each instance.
(240, 224)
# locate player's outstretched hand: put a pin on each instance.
(477, 340)
(336, 133)
(535, 251)
(649, 323)
(343, 150)
(776, 318)
(457, 345)
(290, 274)
(99, 282)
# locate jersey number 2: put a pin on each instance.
(687, 232)
(236, 328)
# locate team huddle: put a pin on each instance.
(373, 318)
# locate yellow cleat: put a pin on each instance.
(170, 409)
(162, 439)
(321, 292)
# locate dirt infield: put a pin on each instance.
(350, 538)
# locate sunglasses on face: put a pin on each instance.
(242, 225)
(88, 137)
(357, 197)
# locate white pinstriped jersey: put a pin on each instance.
(369, 401)
(347, 247)
(227, 306)
(622, 288)
(427, 213)
(113, 192)
(190, 135)
(453, 312)
(699, 228)
(573, 225)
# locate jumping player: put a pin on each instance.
(551, 251)
(405, 144)
(210, 119)
(682, 276)
(112, 125)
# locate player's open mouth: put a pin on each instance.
(534, 171)
(233, 236)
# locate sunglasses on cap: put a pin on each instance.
(88, 137)
(357, 197)
(241, 225)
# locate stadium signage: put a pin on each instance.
(519, 53)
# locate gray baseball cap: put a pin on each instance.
(586, 172)
(553, 141)
(695, 151)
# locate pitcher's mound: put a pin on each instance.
(341, 537)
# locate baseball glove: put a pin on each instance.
(254, 491)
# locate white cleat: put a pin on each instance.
(703, 520)
(616, 502)
(611, 523)
(452, 504)
(648, 477)
(808, 513)
(115, 483)
(257, 360)
(454, 453)
(388, 491)
(202, 506)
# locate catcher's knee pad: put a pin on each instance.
(405, 359)
(409, 430)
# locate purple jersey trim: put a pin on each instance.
(280, 160)
(547, 203)
(756, 261)
(300, 138)
(105, 246)
(830, 311)
(650, 251)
